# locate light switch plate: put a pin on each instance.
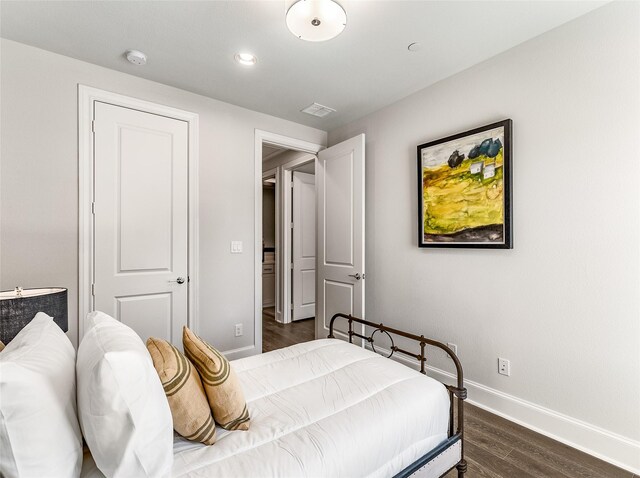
(236, 247)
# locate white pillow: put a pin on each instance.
(122, 407)
(39, 432)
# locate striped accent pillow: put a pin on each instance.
(188, 403)
(221, 384)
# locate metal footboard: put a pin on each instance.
(439, 458)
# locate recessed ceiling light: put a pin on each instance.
(136, 57)
(316, 20)
(415, 46)
(246, 59)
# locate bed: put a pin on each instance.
(331, 408)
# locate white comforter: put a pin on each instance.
(324, 408)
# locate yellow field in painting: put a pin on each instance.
(455, 199)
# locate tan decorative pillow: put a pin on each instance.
(221, 384)
(188, 403)
(1, 346)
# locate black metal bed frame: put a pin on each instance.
(457, 392)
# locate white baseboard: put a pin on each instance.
(603, 444)
(241, 352)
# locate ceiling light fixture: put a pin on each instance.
(136, 57)
(246, 59)
(316, 20)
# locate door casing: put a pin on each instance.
(87, 97)
(274, 173)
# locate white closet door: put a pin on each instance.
(304, 245)
(340, 183)
(141, 220)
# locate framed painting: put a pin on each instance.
(464, 187)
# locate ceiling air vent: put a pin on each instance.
(316, 109)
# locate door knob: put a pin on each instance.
(356, 276)
(179, 280)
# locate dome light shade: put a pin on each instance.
(316, 20)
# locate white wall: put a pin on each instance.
(564, 304)
(39, 188)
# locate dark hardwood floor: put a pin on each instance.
(494, 447)
(276, 336)
(498, 448)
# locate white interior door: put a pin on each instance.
(340, 185)
(141, 220)
(304, 245)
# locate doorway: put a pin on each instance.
(288, 247)
(339, 177)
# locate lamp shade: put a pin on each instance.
(19, 306)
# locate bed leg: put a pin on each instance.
(462, 468)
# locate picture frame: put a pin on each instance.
(464, 189)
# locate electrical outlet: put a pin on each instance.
(504, 367)
(453, 347)
(236, 247)
(239, 330)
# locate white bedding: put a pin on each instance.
(323, 408)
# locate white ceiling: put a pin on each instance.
(191, 45)
(269, 151)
